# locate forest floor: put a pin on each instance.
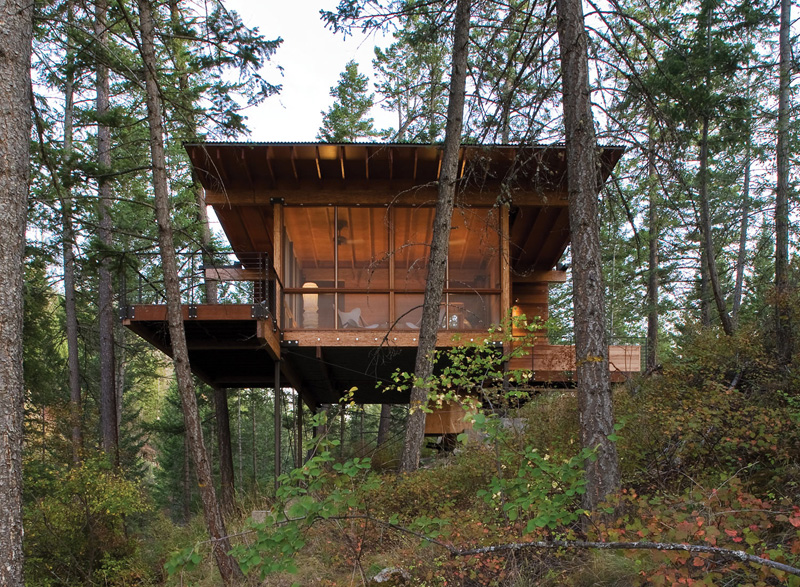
(702, 462)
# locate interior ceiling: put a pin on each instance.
(363, 235)
(539, 234)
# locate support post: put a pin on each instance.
(277, 422)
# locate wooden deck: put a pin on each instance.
(236, 346)
(556, 363)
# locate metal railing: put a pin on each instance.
(223, 278)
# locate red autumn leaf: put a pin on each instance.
(698, 562)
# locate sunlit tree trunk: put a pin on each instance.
(220, 544)
(437, 264)
(591, 349)
(15, 130)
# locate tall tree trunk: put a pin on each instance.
(227, 483)
(707, 234)
(121, 369)
(591, 349)
(190, 126)
(440, 242)
(108, 396)
(253, 452)
(384, 424)
(68, 258)
(782, 308)
(228, 567)
(239, 430)
(15, 132)
(187, 480)
(705, 290)
(652, 260)
(741, 257)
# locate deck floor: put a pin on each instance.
(231, 346)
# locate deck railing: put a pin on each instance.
(615, 343)
(242, 278)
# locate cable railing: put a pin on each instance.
(220, 278)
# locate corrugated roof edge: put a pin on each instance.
(373, 144)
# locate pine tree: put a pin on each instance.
(347, 119)
(15, 124)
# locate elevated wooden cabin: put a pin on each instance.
(334, 239)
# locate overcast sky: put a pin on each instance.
(312, 59)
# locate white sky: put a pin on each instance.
(312, 58)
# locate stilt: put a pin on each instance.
(277, 422)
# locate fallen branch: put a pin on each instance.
(722, 552)
(549, 544)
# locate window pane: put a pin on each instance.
(472, 311)
(308, 246)
(412, 236)
(474, 259)
(312, 311)
(359, 310)
(363, 241)
(408, 311)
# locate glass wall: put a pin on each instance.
(365, 267)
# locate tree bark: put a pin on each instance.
(68, 258)
(190, 125)
(384, 424)
(705, 293)
(782, 307)
(652, 261)
(15, 132)
(707, 234)
(226, 475)
(228, 567)
(594, 391)
(741, 257)
(440, 242)
(253, 452)
(108, 395)
(187, 481)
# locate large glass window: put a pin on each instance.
(366, 267)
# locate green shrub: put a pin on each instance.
(75, 526)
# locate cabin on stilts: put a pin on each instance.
(333, 242)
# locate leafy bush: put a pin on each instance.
(75, 526)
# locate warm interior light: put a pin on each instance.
(310, 306)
